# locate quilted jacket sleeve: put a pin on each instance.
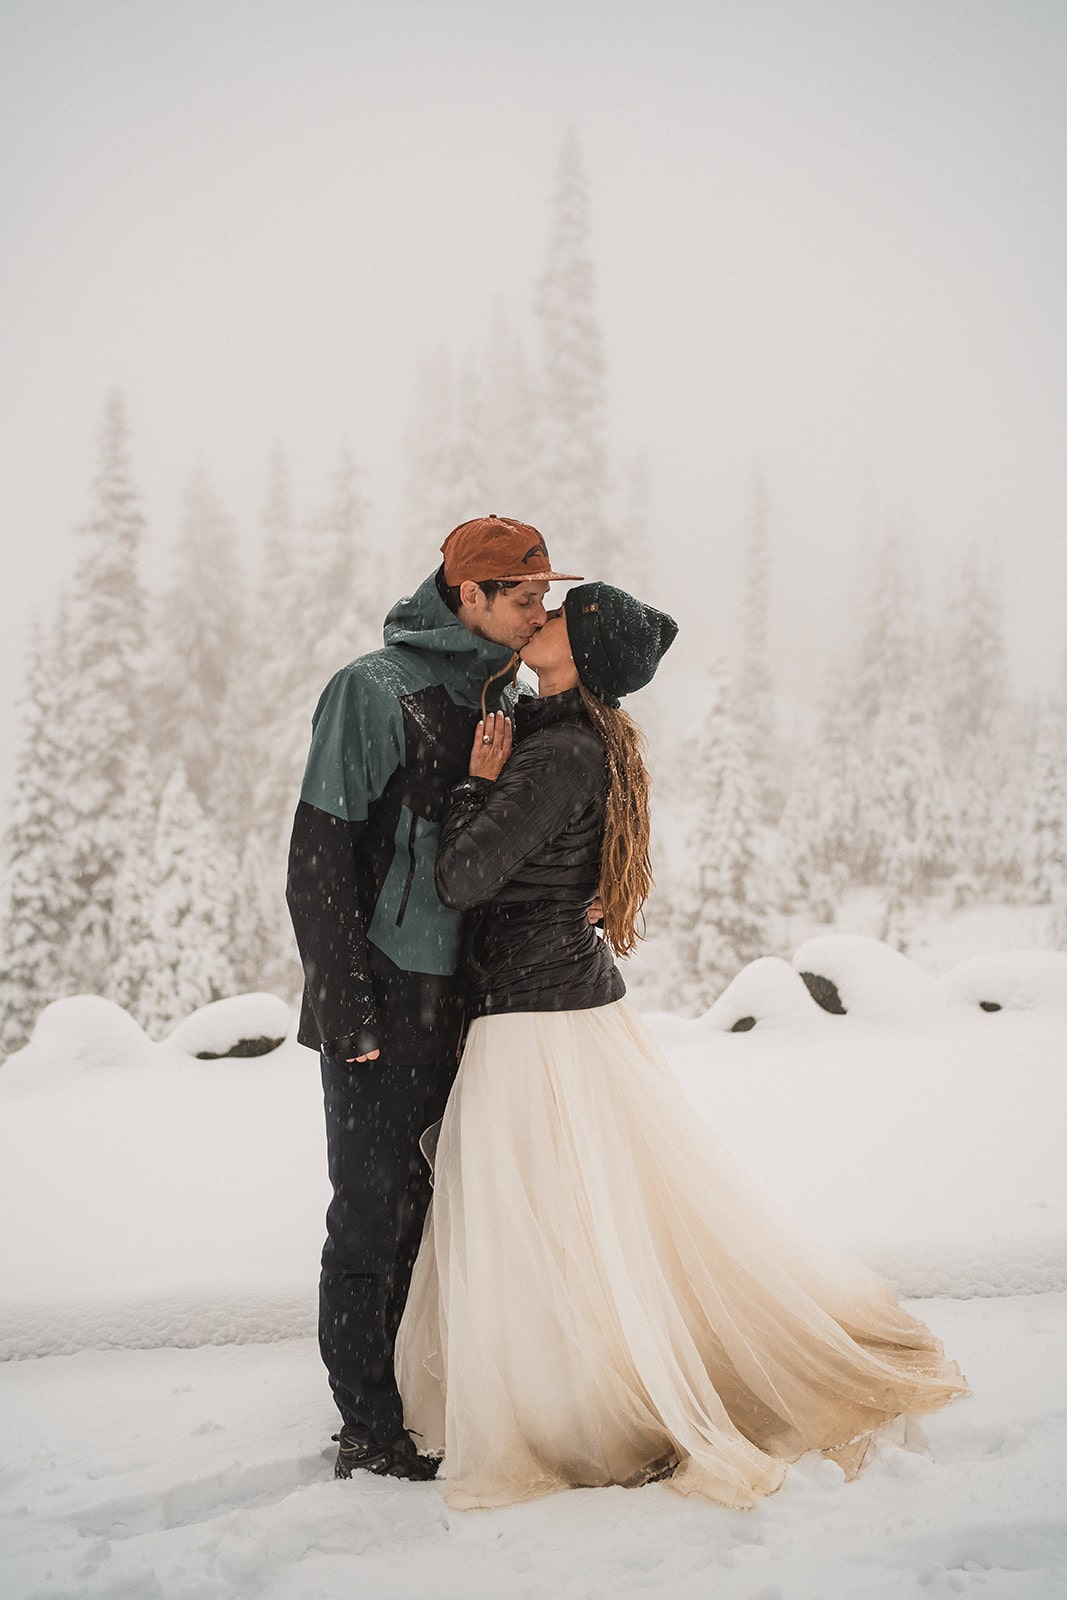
(493, 828)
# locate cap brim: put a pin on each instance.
(540, 577)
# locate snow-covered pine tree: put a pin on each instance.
(571, 510)
(910, 812)
(978, 733)
(341, 584)
(198, 641)
(973, 670)
(722, 913)
(192, 878)
(1045, 848)
(755, 693)
(134, 955)
(890, 654)
(267, 661)
(806, 880)
(264, 950)
(864, 713)
(37, 903)
(336, 614)
(912, 794)
(266, 713)
(101, 712)
(841, 842)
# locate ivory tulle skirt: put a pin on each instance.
(602, 1296)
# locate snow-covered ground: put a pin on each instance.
(167, 1434)
(205, 1475)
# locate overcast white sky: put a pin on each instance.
(830, 238)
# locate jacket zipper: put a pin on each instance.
(411, 870)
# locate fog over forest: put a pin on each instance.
(755, 308)
(828, 243)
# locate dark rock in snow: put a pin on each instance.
(243, 1047)
(824, 992)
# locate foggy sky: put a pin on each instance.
(830, 242)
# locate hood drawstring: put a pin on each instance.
(511, 666)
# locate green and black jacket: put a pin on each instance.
(390, 736)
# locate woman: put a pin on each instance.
(601, 1295)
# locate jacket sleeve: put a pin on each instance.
(492, 828)
(356, 745)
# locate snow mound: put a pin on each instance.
(1011, 980)
(766, 993)
(85, 1030)
(874, 982)
(245, 1025)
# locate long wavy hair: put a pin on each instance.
(625, 867)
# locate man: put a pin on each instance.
(391, 735)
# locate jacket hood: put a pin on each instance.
(423, 622)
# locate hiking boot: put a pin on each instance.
(357, 1449)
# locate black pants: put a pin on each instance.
(381, 1189)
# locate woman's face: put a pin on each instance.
(549, 650)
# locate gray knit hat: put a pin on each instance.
(617, 641)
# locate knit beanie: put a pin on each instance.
(617, 641)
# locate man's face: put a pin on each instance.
(510, 618)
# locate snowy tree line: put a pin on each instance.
(164, 736)
(921, 777)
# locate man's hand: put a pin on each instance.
(596, 911)
(491, 747)
(372, 1055)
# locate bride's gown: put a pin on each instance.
(601, 1291)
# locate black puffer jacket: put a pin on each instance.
(525, 851)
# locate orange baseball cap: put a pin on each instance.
(500, 550)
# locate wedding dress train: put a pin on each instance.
(603, 1296)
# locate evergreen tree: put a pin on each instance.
(341, 583)
(192, 881)
(807, 880)
(134, 953)
(890, 654)
(37, 904)
(198, 640)
(335, 614)
(267, 665)
(264, 950)
(845, 845)
(755, 692)
(911, 796)
(574, 468)
(267, 716)
(722, 918)
(100, 713)
(973, 668)
(1045, 850)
